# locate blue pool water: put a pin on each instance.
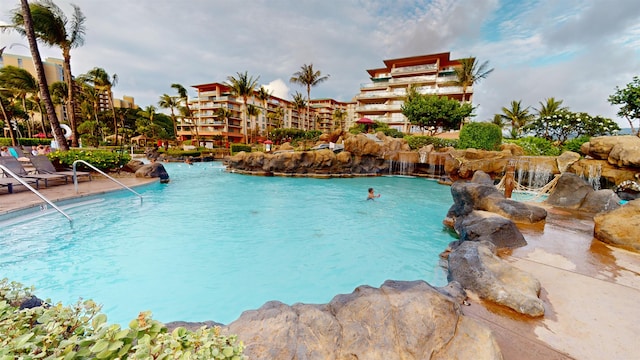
(212, 244)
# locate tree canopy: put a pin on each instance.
(435, 114)
(629, 99)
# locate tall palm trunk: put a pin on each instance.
(42, 80)
(71, 108)
(113, 111)
(6, 117)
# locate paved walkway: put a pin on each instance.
(591, 291)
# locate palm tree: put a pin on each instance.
(25, 26)
(185, 111)
(275, 118)
(517, 116)
(264, 95)
(308, 77)
(252, 111)
(338, 116)
(148, 113)
(498, 120)
(170, 102)
(51, 25)
(550, 107)
(243, 86)
(469, 73)
(225, 114)
(299, 103)
(103, 82)
(21, 83)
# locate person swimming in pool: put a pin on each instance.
(371, 195)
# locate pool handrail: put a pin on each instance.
(75, 177)
(25, 184)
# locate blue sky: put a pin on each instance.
(577, 51)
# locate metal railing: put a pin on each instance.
(75, 177)
(24, 183)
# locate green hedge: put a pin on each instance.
(574, 144)
(479, 135)
(26, 141)
(236, 148)
(81, 331)
(417, 142)
(102, 159)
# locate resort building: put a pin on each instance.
(208, 123)
(382, 98)
(324, 114)
(53, 72)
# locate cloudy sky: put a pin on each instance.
(574, 50)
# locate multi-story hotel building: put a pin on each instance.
(382, 98)
(207, 124)
(53, 71)
(322, 111)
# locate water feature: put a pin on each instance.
(532, 174)
(594, 175)
(436, 164)
(212, 244)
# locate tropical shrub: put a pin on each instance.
(574, 144)
(565, 124)
(535, 146)
(479, 135)
(236, 148)
(81, 331)
(417, 142)
(101, 159)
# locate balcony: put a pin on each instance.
(446, 79)
(413, 79)
(377, 84)
(416, 68)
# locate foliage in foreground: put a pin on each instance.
(102, 159)
(479, 135)
(82, 332)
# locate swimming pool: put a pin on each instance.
(212, 244)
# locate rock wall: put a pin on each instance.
(399, 320)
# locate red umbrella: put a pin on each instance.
(40, 135)
(268, 142)
(365, 120)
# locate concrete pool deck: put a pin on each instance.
(590, 290)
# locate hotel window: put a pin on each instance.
(19, 62)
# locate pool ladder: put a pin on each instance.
(75, 178)
(75, 183)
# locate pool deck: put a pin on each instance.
(590, 290)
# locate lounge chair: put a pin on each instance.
(44, 166)
(14, 165)
(10, 182)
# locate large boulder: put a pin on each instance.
(599, 201)
(399, 320)
(620, 227)
(569, 192)
(618, 150)
(469, 196)
(566, 159)
(487, 226)
(153, 170)
(476, 267)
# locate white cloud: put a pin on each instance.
(575, 50)
(278, 88)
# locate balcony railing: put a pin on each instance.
(416, 68)
(413, 79)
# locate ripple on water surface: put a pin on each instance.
(212, 244)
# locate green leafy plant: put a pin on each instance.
(574, 144)
(102, 159)
(417, 142)
(81, 331)
(236, 148)
(535, 146)
(478, 135)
